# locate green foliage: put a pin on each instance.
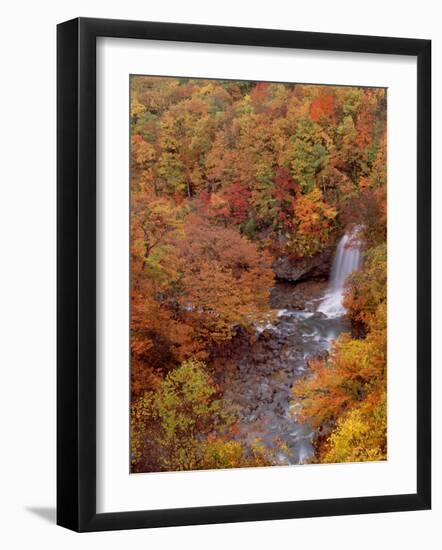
(182, 426)
(352, 98)
(308, 154)
(248, 229)
(171, 171)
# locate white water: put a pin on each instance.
(347, 260)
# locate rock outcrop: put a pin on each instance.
(313, 267)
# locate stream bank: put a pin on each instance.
(260, 387)
(307, 317)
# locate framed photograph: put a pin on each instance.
(243, 274)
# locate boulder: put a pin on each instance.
(312, 267)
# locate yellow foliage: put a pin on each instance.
(360, 435)
(222, 453)
(313, 223)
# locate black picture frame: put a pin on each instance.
(76, 274)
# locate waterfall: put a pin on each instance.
(347, 259)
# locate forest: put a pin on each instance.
(240, 195)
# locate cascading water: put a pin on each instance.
(347, 259)
(261, 386)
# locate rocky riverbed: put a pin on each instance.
(260, 384)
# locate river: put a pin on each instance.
(306, 318)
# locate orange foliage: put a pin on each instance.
(323, 108)
(225, 280)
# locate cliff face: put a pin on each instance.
(314, 267)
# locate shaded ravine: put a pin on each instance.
(260, 388)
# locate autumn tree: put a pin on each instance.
(225, 281)
(313, 223)
(182, 426)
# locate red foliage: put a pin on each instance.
(237, 197)
(285, 186)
